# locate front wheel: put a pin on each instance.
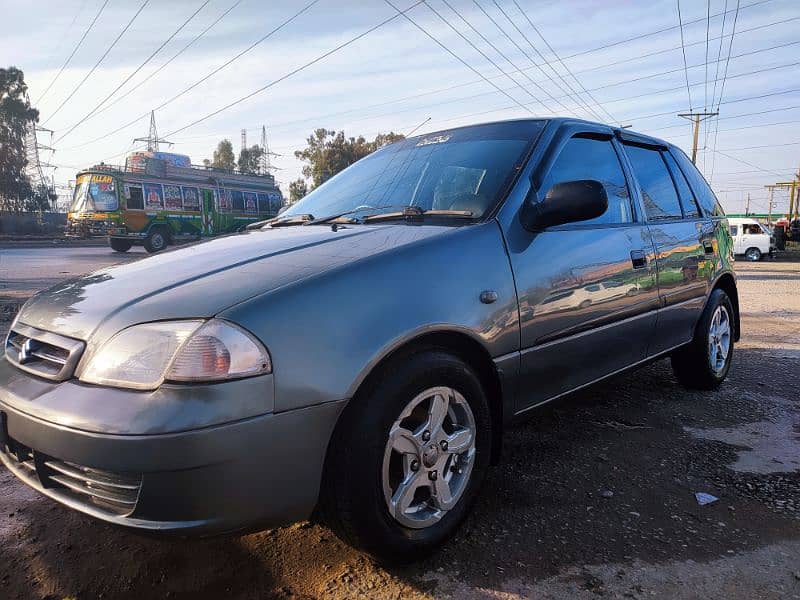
(704, 363)
(118, 245)
(155, 241)
(408, 458)
(753, 254)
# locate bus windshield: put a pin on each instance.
(94, 193)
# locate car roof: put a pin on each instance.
(621, 132)
(743, 220)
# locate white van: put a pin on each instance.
(751, 239)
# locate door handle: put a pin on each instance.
(639, 259)
(708, 246)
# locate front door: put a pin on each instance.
(209, 212)
(587, 290)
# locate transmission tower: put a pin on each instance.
(266, 162)
(34, 169)
(152, 138)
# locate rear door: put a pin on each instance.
(586, 290)
(683, 240)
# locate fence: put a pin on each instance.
(47, 223)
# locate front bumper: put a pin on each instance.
(258, 472)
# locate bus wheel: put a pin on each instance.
(118, 245)
(156, 241)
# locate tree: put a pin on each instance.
(297, 189)
(223, 156)
(327, 152)
(16, 115)
(250, 160)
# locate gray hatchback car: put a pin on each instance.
(360, 356)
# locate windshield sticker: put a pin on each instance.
(172, 197)
(434, 139)
(153, 198)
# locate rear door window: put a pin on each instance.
(688, 202)
(702, 191)
(591, 158)
(658, 191)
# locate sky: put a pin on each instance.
(459, 62)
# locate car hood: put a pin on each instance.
(203, 279)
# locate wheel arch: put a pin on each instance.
(462, 345)
(727, 283)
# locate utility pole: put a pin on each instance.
(769, 210)
(696, 117)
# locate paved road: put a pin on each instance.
(545, 526)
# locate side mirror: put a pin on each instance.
(567, 202)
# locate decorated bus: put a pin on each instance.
(160, 198)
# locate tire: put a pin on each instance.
(704, 363)
(156, 240)
(364, 472)
(753, 254)
(118, 245)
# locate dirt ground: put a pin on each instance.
(595, 497)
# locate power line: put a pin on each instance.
(454, 55)
(730, 47)
(655, 32)
(297, 70)
(163, 65)
(97, 64)
(139, 68)
(74, 50)
(708, 26)
(498, 67)
(544, 61)
(563, 64)
(209, 75)
(719, 53)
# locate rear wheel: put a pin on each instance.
(753, 254)
(705, 362)
(156, 240)
(408, 458)
(118, 245)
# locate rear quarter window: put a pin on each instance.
(702, 191)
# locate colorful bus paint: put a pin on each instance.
(133, 207)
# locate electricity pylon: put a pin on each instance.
(152, 138)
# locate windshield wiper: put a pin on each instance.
(357, 209)
(415, 212)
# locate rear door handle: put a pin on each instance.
(708, 247)
(639, 259)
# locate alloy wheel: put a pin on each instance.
(719, 339)
(429, 457)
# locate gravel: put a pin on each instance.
(594, 497)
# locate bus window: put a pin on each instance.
(263, 203)
(172, 197)
(153, 196)
(237, 201)
(275, 202)
(225, 201)
(250, 202)
(135, 197)
(191, 198)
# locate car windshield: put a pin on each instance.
(467, 169)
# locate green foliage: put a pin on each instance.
(297, 189)
(16, 114)
(327, 152)
(250, 160)
(223, 156)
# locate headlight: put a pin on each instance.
(146, 355)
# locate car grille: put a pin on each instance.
(113, 493)
(42, 353)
